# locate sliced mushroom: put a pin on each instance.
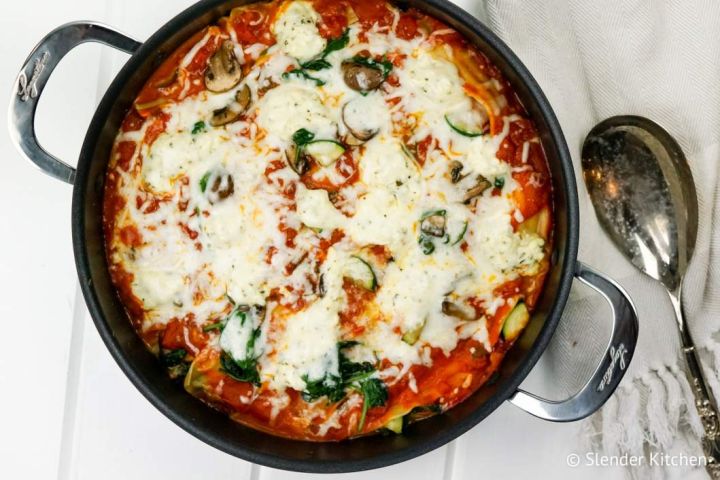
(221, 188)
(232, 112)
(433, 225)
(243, 97)
(223, 116)
(361, 78)
(297, 160)
(456, 171)
(321, 286)
(459, 311)
(356, 121)
(223, 71)
(476, 190)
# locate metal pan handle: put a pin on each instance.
(34, 76)
(611, 370)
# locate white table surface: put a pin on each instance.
(66, 409)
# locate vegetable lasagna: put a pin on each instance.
(328, 218)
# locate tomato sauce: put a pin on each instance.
(334, 16)
(183, 333)
(252, 25)
(352, 320)
(372, 12)
(407, 27)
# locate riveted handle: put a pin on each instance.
(33, 77)
(611, 369)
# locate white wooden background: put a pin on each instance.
(66, 409)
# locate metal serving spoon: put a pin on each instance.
(643, 193)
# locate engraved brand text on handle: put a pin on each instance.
(617, 359)
(27, 88)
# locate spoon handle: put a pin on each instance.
(704, 399)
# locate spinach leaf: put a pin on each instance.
(172, 358)
(315, 65)
(204, 182)
(214, 326)
(336, 44)
(352, 372)
(358, 376)
(329, 386)
(302, 137)
(298, 72)
(385, 66)
(343, 344)
(174, 361)
(242, 371)
(499, 182)
(251, 342)
(198, 127)
(238, 312)
(374, 394)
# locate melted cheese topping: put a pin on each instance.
(290, 107)
(271, 241)
(433, 83)
(307, 346)
(296, 31)
(315, 209)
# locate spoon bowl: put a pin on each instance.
(643, 193)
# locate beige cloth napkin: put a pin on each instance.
(659, 59)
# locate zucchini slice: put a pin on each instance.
(325, 152)
(516, 321)
(466, 124)
(395, 425)
(413, 335)
(360, 272)
(461, 235)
